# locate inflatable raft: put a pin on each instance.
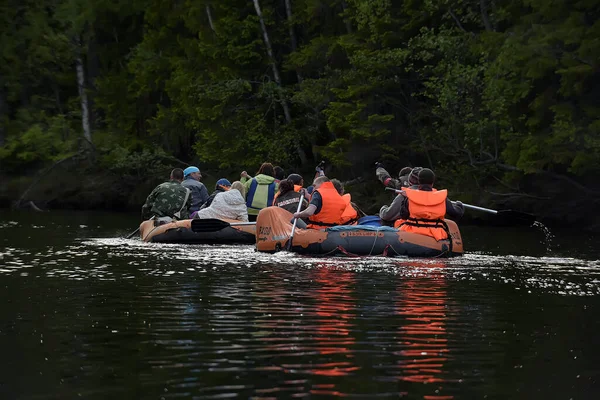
(199, 231)
(273, 229)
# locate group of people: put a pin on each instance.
(417, 208)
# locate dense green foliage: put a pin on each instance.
(464, 85)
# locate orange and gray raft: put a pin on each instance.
(274, 226)
(199, 231)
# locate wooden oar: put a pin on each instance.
(214, 225)
(289, 244)
(506, 217)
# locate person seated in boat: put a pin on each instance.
(221, 186)
(260, 190)
(327, 207)
(191, 180)
(319, 171)
(298, 182)
(423, 209)
(339, 186)
(228, 204)
(390, 214)
(279, 173)
(289, 196)
(169, 199)
(388, 181)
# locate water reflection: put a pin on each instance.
(103, 317)
(422, 303)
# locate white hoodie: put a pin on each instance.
(230, 205)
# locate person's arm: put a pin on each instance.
(404, 211)
(203, 194)
(385, 178)
(310, 210)
(244, 177)
(314, 207)
(393, 211)
(455, 210)
(147, 207)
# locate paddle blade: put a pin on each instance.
(208, 225)
(511, 217)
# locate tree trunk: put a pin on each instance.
(484, 16)
(346, 21)
(293, 41)
(85, 114)
(92, 71)
(210, 19)
(3, 112)
(277, 77)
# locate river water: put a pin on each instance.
(87, 314)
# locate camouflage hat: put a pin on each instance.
(413, 178)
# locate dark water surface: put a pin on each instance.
(86, 314)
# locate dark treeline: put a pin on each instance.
(486, 92)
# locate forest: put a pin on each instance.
(500, 97)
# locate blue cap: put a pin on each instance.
(189, 170)
(223, 182)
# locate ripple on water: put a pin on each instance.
(104, 258)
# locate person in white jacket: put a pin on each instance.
(229, 205)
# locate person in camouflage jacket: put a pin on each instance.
(169, 199)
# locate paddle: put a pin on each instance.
(503, 216)
(289, 244)
(138, 229)
(214, 225)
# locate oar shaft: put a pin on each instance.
(138, 229)
(465, 205)
(479, 208)
(289, 246)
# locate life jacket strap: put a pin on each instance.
(430, 223)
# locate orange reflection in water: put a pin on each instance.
(422, 302)
(333, 313)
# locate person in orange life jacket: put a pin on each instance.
(351, 213)
(390, 214)
(320, 171)
(288, 198)
(388, 181)
(427, 204)
(326, 206)
(297, 183)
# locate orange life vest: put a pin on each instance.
(426, 213)
(332, 208)
(349, 216)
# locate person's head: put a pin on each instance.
(223, 184)
(426, 177)
(279, 173)
(296, 179)
(285, 186)
(404, 171)
(192, 172)
(177, 175)
(339, 186)
(319, 181)
(266, 169)
(413, 178)
(239, 186)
